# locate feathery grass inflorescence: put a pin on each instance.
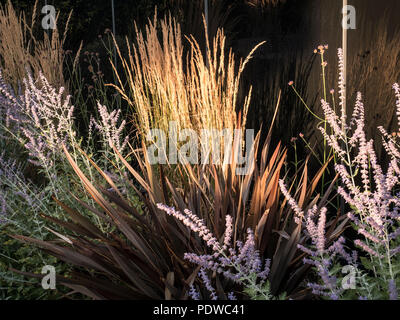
(195, 91)
(22, 49)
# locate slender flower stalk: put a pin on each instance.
(241, 265)
(108, 127)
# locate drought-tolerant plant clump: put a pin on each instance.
(371, 192)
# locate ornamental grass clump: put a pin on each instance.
(20, 49)
(372, 194)
(168, 78)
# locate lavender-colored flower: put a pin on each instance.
(396, 89)
(194, 223)
(371, 192)
(337, 248)
(306, 250)
(109, 129)
(15, 189)
(334, 296)
(367, 249)
(41, 115)
(395, 251)
(299, 213)
(3, 208)
(207, 283)
(193, 293)
(369, 236)
(393, 293)
(342, 87)
(228, 231)
(231, 296)
(239, 264)
(320, 241)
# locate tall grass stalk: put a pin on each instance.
(21, 50)
(168, 81)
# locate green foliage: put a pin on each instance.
(26, 258)
(263, 292)
(23, 219)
